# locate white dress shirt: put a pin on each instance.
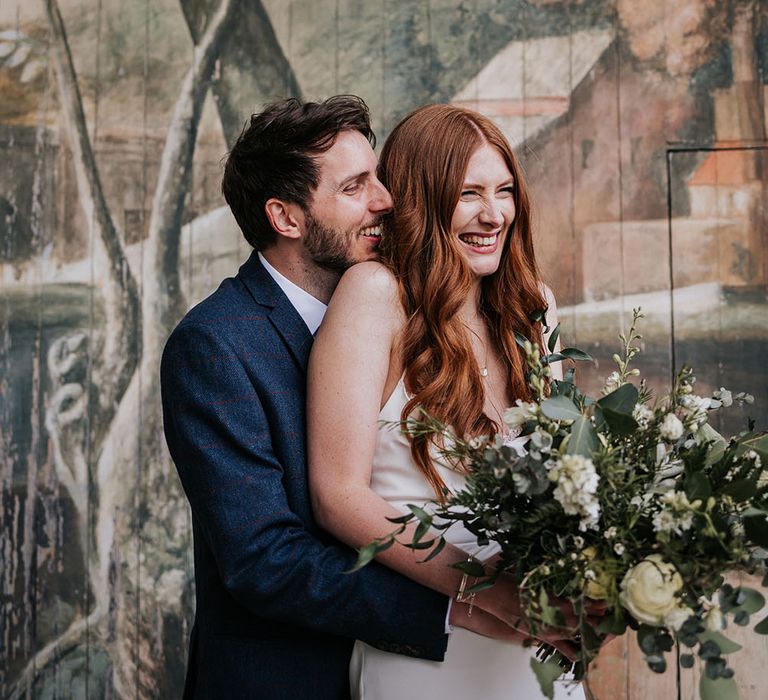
(310, 309)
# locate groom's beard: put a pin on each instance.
(329, 247)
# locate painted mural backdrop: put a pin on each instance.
(642, 127)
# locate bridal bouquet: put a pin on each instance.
(637, 503)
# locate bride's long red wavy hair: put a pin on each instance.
(423, 164)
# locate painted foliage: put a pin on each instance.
(641, 126)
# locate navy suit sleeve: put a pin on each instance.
(221, 443)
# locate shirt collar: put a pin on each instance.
(310, 309)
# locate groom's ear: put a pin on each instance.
(286, 218)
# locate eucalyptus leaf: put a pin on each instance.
(726, 645)
(560, 408)
(706, 433)
(697, 486)
(583, 440)
(741, 489)
(365, 556)
(753, 601)
(554, 357)
(420, 514)
(621, 400)
(720, 689)
(421, 530)
(552, 341)
(756, 528)
(762, 626)
(619, 423)
(600, 423)
(759, 444)
(547, 673)
(438, 548)
(576, 354)
(520, 339)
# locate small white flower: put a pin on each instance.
(665, 521)
(521, 413)
(694, 409)
(752, 456)
(619, 548)
(671, 428)
(578, 541)
(724, 396)
(544, 569)
(612, 383)
(590, 575)
(642, 415)
(577, 481)
(610, 533)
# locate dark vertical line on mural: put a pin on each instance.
(620, 159)
(336, 82)
(672, 358)
(39, 243)
(139, 492)
(524, 77)
(429, 69)
(572, 200)
(384, 30)
(91, 508)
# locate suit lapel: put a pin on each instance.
(283, 316)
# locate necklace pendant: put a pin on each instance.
(483, 371)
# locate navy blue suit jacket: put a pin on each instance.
(276, 616)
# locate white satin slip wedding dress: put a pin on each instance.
(474, 666)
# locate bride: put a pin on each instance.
(432, 325)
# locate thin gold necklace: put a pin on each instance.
(484, 368)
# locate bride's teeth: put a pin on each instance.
(478, 240)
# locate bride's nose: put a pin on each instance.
(491, 214)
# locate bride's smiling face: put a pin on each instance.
(485, 210)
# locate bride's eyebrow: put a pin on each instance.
(476, 185)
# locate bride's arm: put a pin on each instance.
(348, 372)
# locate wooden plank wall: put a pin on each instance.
(642, 129)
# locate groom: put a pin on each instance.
(276, 614)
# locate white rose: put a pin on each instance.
(648, 590)
(671, 428)
(520, 414)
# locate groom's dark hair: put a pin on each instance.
(275, 156)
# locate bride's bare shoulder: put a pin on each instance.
(370, 275)
(370, 284)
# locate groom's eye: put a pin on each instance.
(351, 188)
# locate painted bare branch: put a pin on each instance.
(163, 304)
(120, 352)
(253, 68)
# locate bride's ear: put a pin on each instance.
(286, 218)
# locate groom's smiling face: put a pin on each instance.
(342, 225)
